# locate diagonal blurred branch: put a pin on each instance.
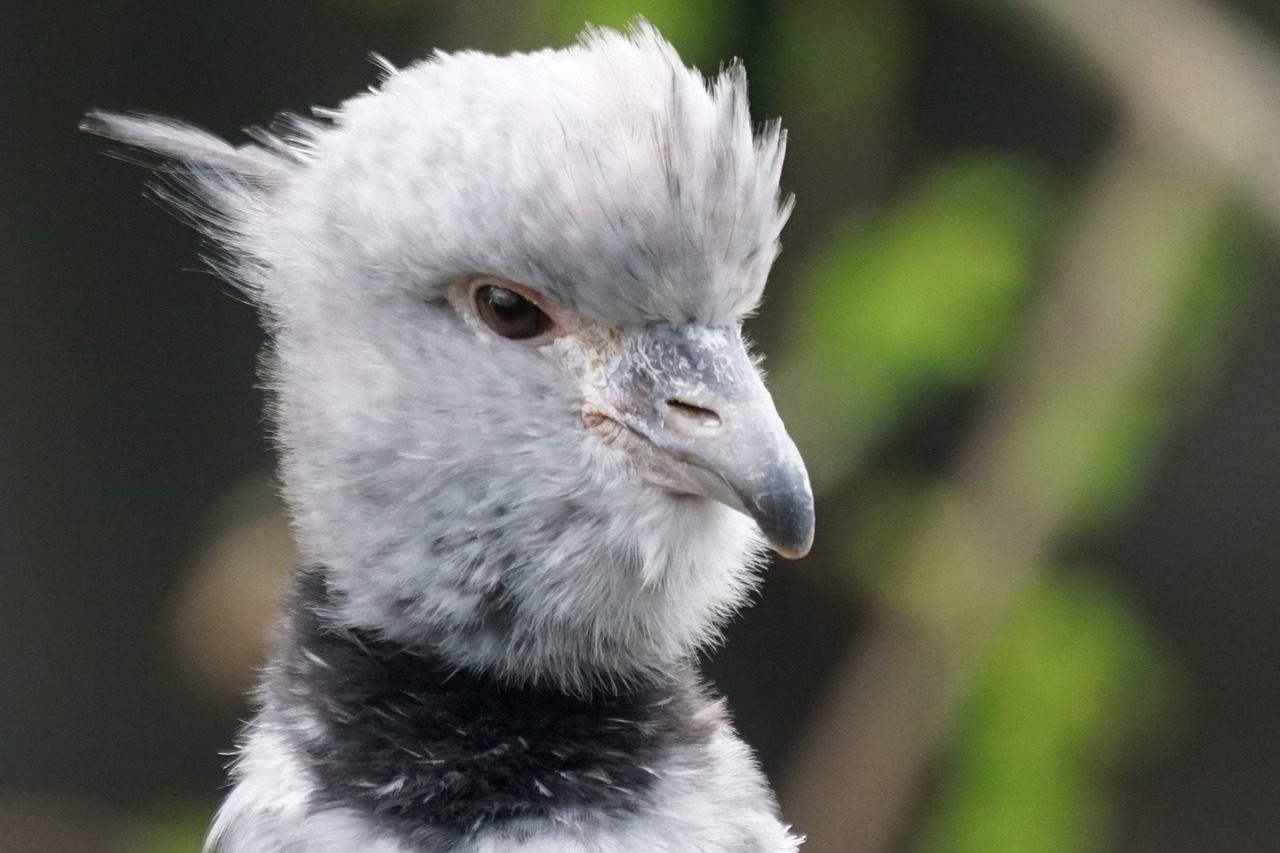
(1093, 346)
(1185, 69)
(1200, 99)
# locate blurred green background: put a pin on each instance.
(1025, 330)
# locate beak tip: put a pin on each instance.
(788, 552)
(787, 525)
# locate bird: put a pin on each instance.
(529, 456)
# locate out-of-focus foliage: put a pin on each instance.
(840, 56)
(174, 826)
(1123, 445)
(918, 300)
(1076, 684)
(699, 30)
(1073, 686)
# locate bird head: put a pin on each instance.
(519, 423)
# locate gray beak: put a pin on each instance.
(694, 395)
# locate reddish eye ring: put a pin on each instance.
(508, 313)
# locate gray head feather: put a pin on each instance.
(444, 476)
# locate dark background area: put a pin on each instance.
(128, 404)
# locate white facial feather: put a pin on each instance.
(442, 473)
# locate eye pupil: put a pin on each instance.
(508, 313)
(507, 306)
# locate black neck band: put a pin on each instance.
(437, 752)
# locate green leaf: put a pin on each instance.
(1120, 438)
(1072, 689)
(175, 825)
(921, 299)
(699, 30)
(840, 55)
(1220, 281)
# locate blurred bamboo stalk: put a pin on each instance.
(1092, 347)
(1200, 101)
(1187, 69)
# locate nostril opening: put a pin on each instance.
(697, 414)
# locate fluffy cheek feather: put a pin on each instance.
(696, 559)
(464, 505)
(669, 537)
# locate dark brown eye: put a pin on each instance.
(510, 314)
